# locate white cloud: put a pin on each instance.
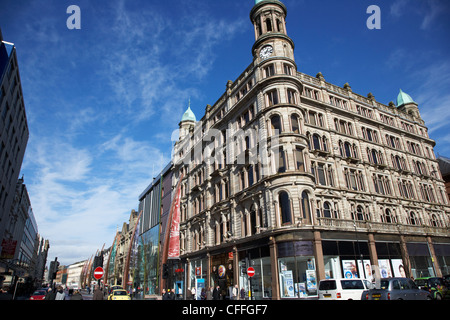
(429, 10)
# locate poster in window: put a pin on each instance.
(398, 268)
(311, 282)
(349, 268)
(385, 268)
(289, 291)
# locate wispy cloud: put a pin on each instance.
(429, 10)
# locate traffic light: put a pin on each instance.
(165, 271)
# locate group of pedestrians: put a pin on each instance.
(59, 294)
(212, 293)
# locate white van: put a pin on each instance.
(343, 289)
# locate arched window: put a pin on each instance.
(326, 210)
(269, 25)
(348, 153)
(285, 208)
(275, 122)
(305, 206)
(434, 221)
(325, 143)
(413, 218)
(388, 216)
(360, 213)
(374, 156)
(295, 123)
(316, 142)
(254, 223)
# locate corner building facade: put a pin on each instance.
(304, 180)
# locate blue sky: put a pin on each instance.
(102, 102)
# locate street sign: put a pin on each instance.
(250, 272)
(98, 273)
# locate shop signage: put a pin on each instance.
(8, 248)
(222, 271)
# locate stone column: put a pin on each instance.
(318, 254)
(274, 269)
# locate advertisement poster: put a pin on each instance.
(385, 268)
(398, 268)
(349, 268)
(301, 289)
(199, 285)
(289, 291)
(367, 270)
(174, 236)
(311, 282)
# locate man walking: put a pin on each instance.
(98, 294)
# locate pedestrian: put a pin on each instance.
(171, 294)
(4, 294)
(76, 295)
(216, 293)
(188, 294)
(203, 294)
(194, 292)
(209, 294)
(88, 289)
(165, 295)
(242, 294)
(234, 293)
(98, 294)
(60, 295)
(51, 294)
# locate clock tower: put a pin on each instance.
(271, 39)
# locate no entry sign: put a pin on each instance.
(250, 272)
(98, 273)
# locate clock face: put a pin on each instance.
(266, 52)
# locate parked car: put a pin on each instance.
(436, 287)
(38, 295)
(119, 294)
(396, 289)
(345, 289)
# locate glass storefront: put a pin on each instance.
(420, 258)
(145, 276)
(351, 259)
(198, 276)
(259, 286)
(442, 252)
(297, 269)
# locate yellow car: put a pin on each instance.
(119, 294)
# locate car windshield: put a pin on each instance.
(120, 293)
(39, 293)
(327, 285)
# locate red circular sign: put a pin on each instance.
(98, 273)
(251, 272)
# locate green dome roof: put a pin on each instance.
(404, 98)
(189, 115)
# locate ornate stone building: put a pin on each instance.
(305, 180)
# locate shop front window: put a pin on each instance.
(297, 270)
